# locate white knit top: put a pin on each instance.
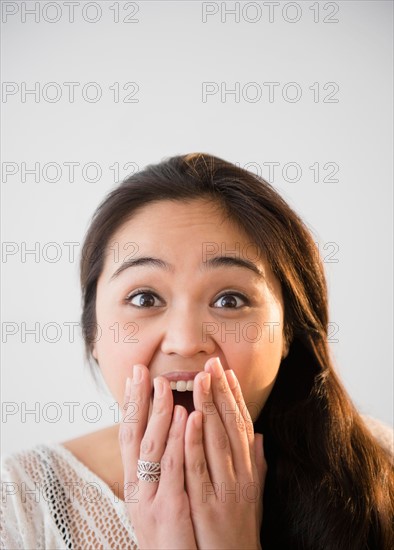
(50, 500)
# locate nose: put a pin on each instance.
(184, 334)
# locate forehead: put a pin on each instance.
(192, 221)
(182, 232)
(186, 235)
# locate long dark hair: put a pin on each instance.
(329, 484)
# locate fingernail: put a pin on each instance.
(137, 374)
(216, 368)
(159, 387)
(232, 380)
(206, 382)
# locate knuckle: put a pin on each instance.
(249, 428)
(134, 400)
(160, 407)
(147, 446)
(196, 440)
(199, 466)
(221, 441)
(130, 412)
(240, 424)
(174, 434)
(126, 434)
(167, 463)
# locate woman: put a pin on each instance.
(203, 291)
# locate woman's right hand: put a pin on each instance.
(159, 512)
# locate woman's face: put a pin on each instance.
(186, 305)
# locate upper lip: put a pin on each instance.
(174, 376)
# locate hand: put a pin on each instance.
(159, 512)
(225, 465)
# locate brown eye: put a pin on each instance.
(231, 301)
(142, 299)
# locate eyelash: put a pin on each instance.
(149, 292)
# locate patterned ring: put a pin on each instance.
(148, 471)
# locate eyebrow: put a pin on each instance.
(216, 262)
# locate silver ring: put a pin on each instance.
(148, 471)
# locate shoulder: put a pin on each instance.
(381, 431)
(82, 444)
(24, 465)
(96, 450)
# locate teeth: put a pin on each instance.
(182, 385)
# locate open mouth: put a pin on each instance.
(184, 398)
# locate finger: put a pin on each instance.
(231, 416)
(198, 482)
(238, 396)
(154, 440)
(261, 464)
(261, 469)
(172, 480)
(134, 418)
(216, 441)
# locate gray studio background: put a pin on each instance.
(168, 50)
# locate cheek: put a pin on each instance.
(118, 335)
(119, 346)
(256, 366)
(256, 381)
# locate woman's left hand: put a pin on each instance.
(225, 467)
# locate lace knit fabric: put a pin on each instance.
(50, 500)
